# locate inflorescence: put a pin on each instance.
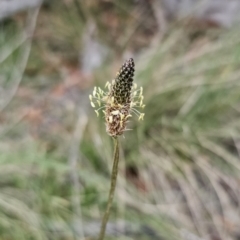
(120, 101)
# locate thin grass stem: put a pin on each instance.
(112, 188)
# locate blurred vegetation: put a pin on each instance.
(180, 168)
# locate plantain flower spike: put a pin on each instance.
(121, 100)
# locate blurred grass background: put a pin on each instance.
(179, 169)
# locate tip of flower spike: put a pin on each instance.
(130, 60)
(127, 69)
(130, 63)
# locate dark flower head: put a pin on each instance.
(120, 101)
(122, 86)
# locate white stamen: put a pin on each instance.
(112, 100)
(96, 112)
(141, 116)
(110, 119)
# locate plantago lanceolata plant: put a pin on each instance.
(118, 103)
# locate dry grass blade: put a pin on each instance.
(224, 201)
(18, 209)
(19, 69)
(220, 152)
(73, 162)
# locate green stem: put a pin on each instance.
(112, 188)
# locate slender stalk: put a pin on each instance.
(112, 188)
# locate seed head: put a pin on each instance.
(120, 101)
(122, 86)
